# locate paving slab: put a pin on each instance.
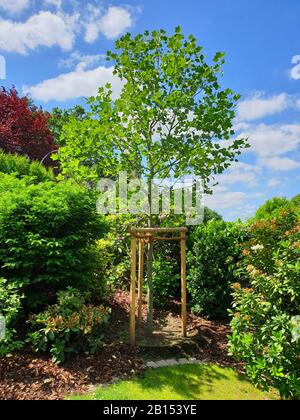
(172, 362)
(152, 365)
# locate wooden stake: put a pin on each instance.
(140, 281)
(132, 289)
(183, 281)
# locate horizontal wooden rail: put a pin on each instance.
(158, 230)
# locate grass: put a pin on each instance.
(183, 382)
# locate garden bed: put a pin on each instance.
(32, 376)
(28, 376)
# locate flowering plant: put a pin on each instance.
(264, 312)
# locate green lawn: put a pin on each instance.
(183, 382)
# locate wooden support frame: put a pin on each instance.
(143, 235)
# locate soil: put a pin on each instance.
(28, 376)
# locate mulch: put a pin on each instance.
(32, 377)
(28, 376)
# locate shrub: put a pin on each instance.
(47, 235)
(10, 305)
(70, 326)
(215, 249)
(20, 166)
(166, 280)
(265, 314)
(296, 202)
(114, 262)
(271, 208)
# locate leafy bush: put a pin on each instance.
(265, 314)
(166, 280)
(70, 326)
(114, 264)
(296, 201)
(271, 208)
(10, 305)
(215, 250)
(47, 236)
(21, 166)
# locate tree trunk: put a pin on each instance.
(149, 288)
(149, 268)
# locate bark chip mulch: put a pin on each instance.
(32, 377)
(28, 376)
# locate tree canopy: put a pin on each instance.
(169, 118)
(24, 127)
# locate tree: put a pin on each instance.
(23, 127)
(59, 117)
(168, 119)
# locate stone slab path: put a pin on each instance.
(172, 362)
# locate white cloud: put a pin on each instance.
(43, 29)
(239, 172)
(14, 6)
(242, 212)
(222, 198)
(75, 84)
(297, 103)
(80, 61)
(50, 28)
(279, 163)
(115, 22)
(259, 106)
(272, 140)
(273, 182)
(92, 32)
(112, 24)
(56, 3)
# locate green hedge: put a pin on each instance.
(47, 236)
(215, 250)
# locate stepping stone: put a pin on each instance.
(192, 360)
(162, 363)
(171, 362)
(152, 365)
(183, 361)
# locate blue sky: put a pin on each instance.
(54, 51)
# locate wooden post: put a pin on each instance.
(183, 280)
(141, 234)
(132, 287)
(140, 281)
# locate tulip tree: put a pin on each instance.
(171, 117)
